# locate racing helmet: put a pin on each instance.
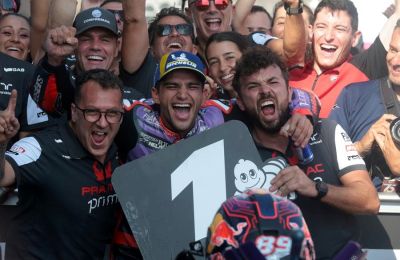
(259, 225)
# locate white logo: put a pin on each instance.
(6, 86)
(58, 141)
(66, 157)
(181, 57)
(96, 13)
(14, 69)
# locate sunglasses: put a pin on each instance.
(203, 5)
(119, 13)
(182, 29)
(9, 5)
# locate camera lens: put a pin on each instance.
(395, 130)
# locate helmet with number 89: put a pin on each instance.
(257, 225)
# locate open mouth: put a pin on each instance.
(182, 110)
(175, 46)
(95, 58)
(328, 48)
(213, 23)
(13, 49)
(98, 137)
(268, 107)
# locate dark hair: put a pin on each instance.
(255, 59)
(259, 8)
(168, 11)
(110, 1)
(241, 41)
(2, 17)
(306, 8)
(340, 5)
(106, 79)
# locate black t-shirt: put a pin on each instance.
(143, 79)
(334, 157)
(17, 74)
(67, 198)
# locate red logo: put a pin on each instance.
(224, 232)
(318, 168)
(100, 172)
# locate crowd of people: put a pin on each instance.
(82, 94)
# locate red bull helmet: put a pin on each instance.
(259, 226)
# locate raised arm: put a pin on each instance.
(135, 39)
(45, 15)
(9, 127)
(293, 45)
(386, 33)
(242, 10)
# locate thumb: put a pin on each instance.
(12, 102)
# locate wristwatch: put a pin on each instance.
(294, 10)
(322, 189)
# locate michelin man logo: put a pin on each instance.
(181, 57)
(249, 176)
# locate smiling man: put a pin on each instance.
(63, 175)
(93, 40)
(340, 188)
(335, 31)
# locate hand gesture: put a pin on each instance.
(60, 43)
(299, 128)
(210, 87)
(9, 124)
(293, 179)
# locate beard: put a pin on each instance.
(270, 127)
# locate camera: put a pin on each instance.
(395, 130)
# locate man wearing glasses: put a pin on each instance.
(143, 47)
(64, 175)
(214, 16)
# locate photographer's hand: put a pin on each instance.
(390, 150)
(365, 144)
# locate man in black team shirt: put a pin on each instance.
(329, 189)
(64, 175)
(93, 40)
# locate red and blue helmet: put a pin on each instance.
(259, 226)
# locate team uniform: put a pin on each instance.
(358, 107)
(17, 74)
(370, 64)
(55, 85)
(334, 156)
(66, 195)
(143, 132)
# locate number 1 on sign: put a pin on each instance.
(205, 168)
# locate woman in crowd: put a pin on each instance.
(15, 35)
(222, 51)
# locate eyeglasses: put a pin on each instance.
(203, 5)
(94, 115)
(9, 5)
(119, 13)
(182, 29)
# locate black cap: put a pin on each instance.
(95, 17)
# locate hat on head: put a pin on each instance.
(179, 60)
(95, 17)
